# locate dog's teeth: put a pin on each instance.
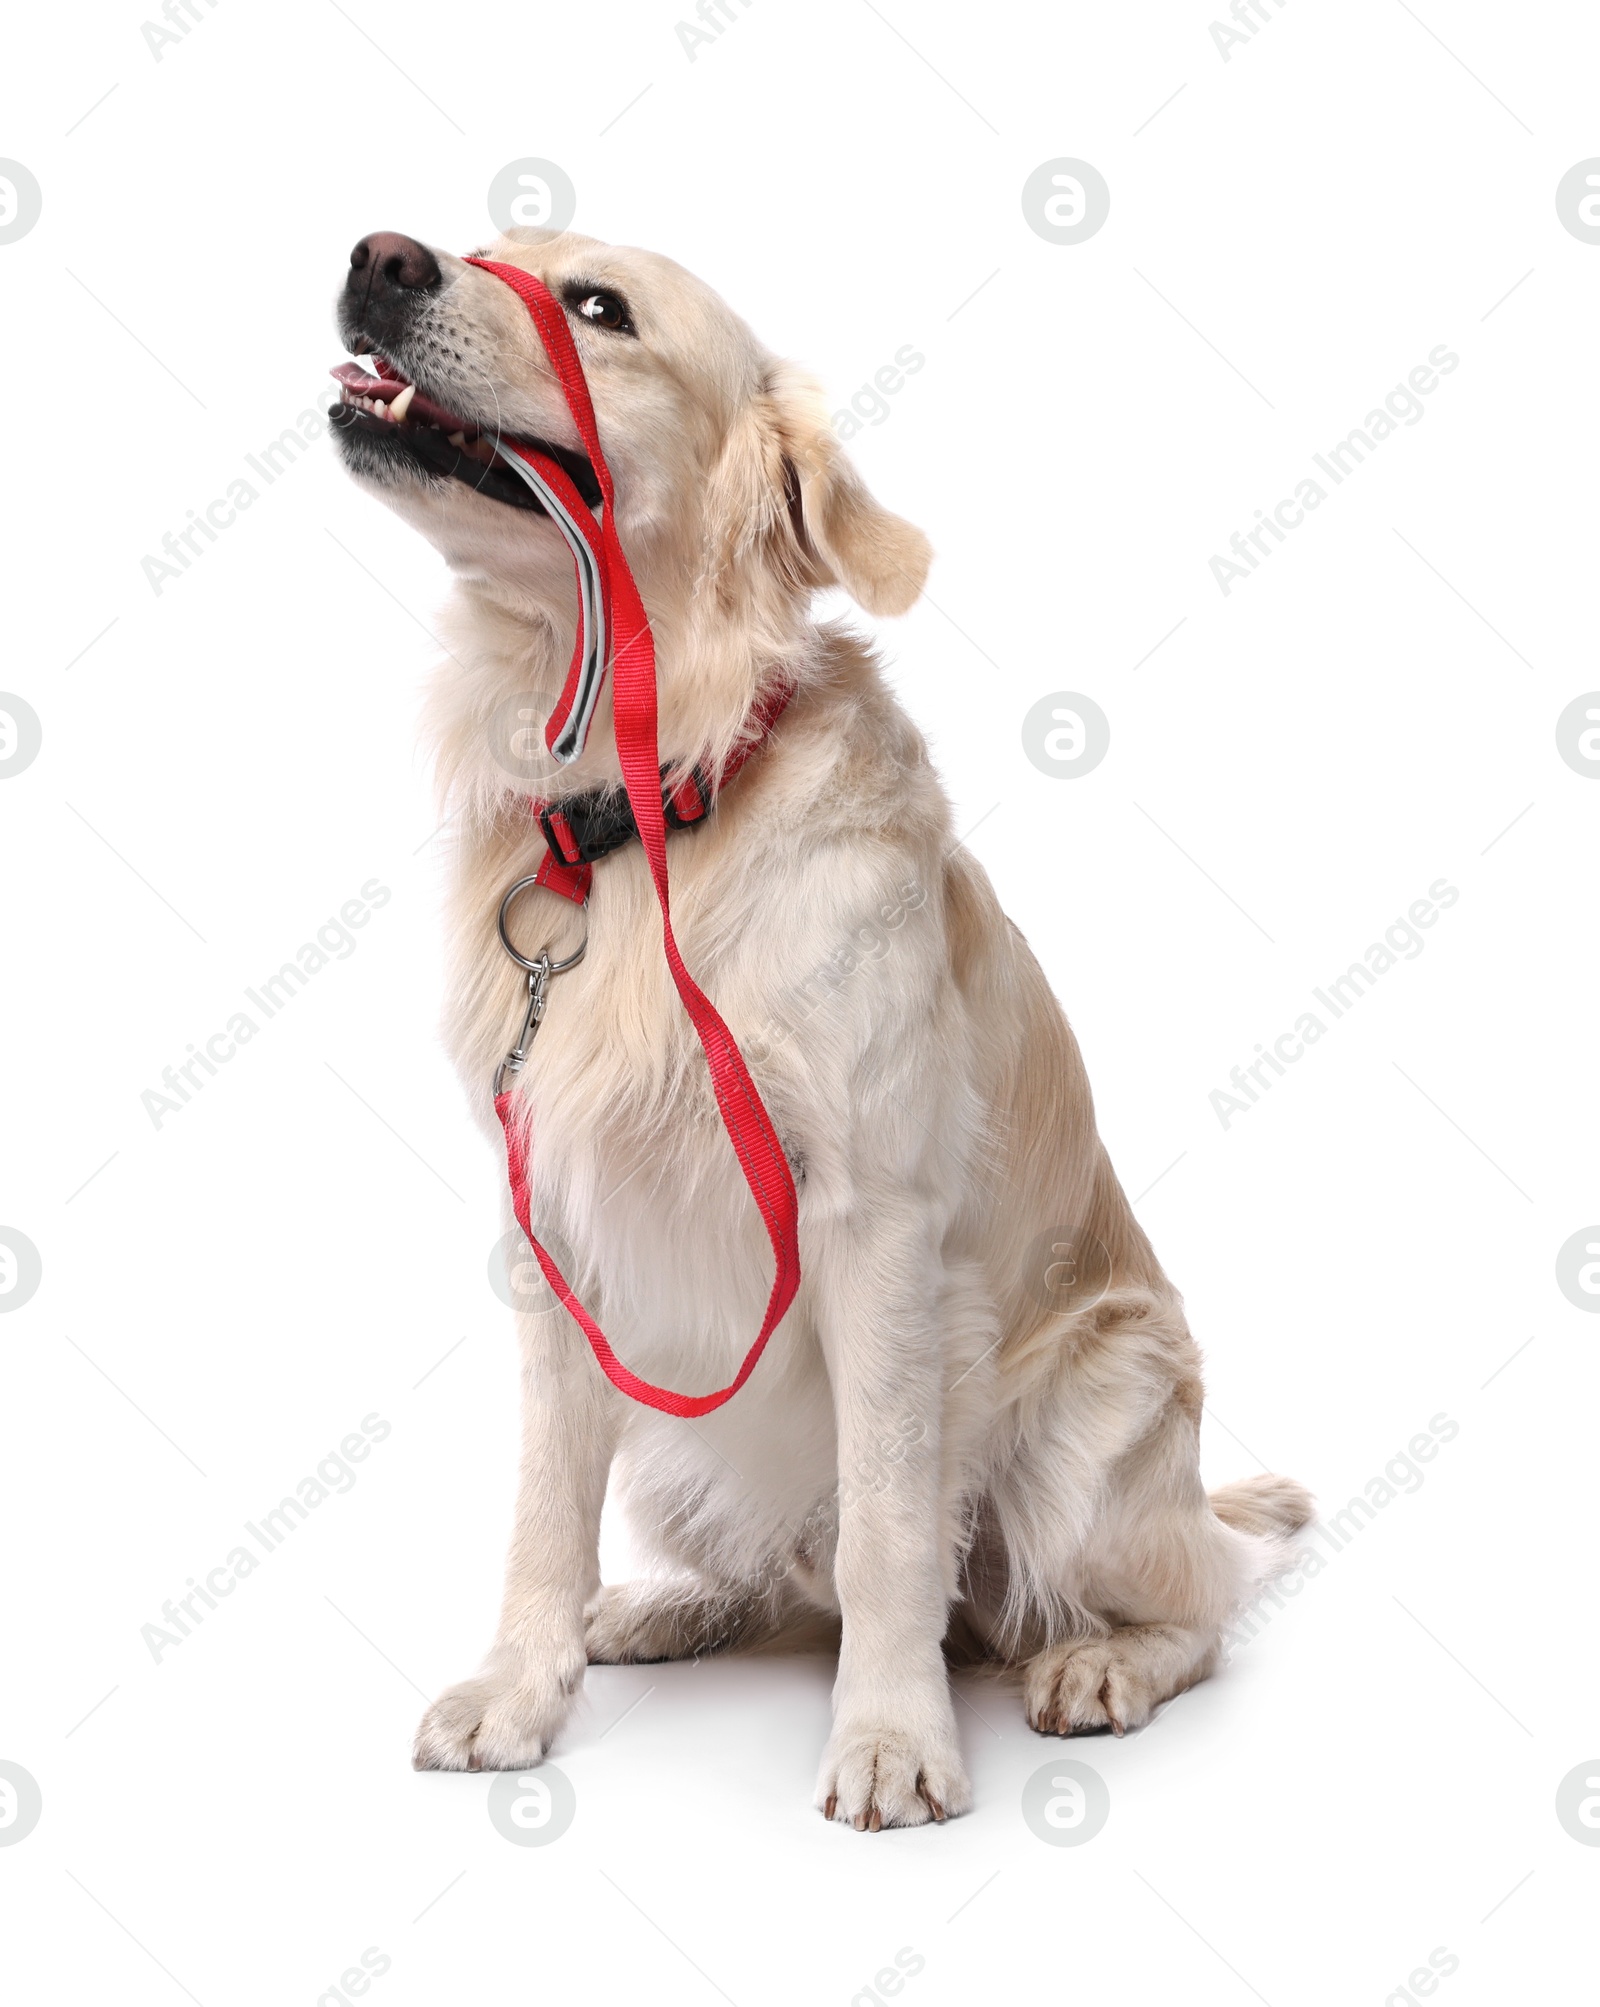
(458, 440)
(402, 404)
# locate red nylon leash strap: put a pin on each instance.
(755, 1141)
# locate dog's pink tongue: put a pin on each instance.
(385, 389)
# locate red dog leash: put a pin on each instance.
(621, 618)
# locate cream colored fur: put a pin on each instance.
(924, 1436)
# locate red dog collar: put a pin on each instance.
(611, 609)
(581, 829)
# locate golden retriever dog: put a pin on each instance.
(979, 1419)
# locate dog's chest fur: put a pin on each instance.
(810, 910)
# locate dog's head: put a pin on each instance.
(734, 499)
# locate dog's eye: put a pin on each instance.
(604, 310)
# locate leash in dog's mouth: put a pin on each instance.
(613, 633)
(394, 416)
(399, 420)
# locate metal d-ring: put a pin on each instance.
(550, 968)
(539, 974)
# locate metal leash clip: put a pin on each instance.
(539, 974)
(517, 1057)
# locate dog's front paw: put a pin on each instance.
(498, 1721)
(873, 1777)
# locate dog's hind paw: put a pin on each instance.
(637, 1623)
(497, 1721)
(1088, 1685)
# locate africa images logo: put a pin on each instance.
(1401, 942)
(1402, 406)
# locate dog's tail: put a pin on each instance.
(1273, 1507)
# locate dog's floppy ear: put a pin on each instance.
(850, 539)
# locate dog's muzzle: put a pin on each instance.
(387, 425)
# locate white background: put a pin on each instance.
(225, 764)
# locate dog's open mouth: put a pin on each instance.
(399, 426)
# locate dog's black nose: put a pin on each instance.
(386, 260)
